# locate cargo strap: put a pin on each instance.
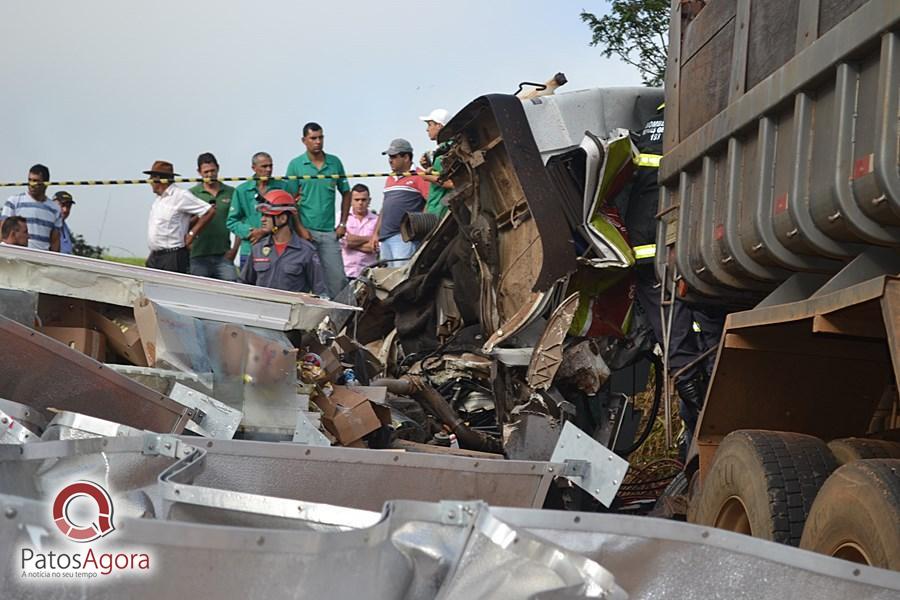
(644, 252)
(648, 160)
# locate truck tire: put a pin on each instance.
(856, 514)
(847, 450)
(763, 483)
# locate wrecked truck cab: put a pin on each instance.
(531, 259)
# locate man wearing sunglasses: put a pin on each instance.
(404, 191)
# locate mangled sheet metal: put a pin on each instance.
(417, 550)
(558, 121)
(44, 373)
(601, 224)
(548, 354)
(505, 204)
(122, 285)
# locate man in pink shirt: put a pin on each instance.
(357, 246)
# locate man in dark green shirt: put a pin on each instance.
(243, 218)
(316, 203)
(433, 161)
(212, 253)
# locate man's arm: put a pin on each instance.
(447, 185)
(355, 241)
(248, 273)
(376, 232)
(292, 185)
(235, 219)
(54, 240)
(317, 277)
(198, 227)
(341, 230)
(235, 246)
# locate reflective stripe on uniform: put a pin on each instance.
(648, 160)
(645, 251)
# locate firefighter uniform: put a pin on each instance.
(297, 269)
(293, 265)
(694, 328)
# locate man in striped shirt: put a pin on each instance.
(40, 212)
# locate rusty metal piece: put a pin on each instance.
(44, 373)
(777, 371)
(548, 353)
(519, 264)
(431, 400)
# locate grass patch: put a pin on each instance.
(127, 260)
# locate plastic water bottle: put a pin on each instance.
(350, 379)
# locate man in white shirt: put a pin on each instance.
(169, 232)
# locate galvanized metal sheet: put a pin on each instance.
(119, 284)
(73, 426)
(604, 471)
(212, 418)
(14, 432)
(307, 432)
(356, 478)
(449, 550)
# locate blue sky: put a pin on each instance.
(99, 89)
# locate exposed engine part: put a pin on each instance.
(432, 401)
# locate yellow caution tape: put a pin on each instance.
(645, 251)
(222, 179)
(648, 160)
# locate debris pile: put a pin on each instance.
(514, 317)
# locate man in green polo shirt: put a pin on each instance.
(316, 202)
(212, 253)
(243, 218)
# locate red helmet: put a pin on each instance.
(277, 202)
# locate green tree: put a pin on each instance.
(82, 248)
(637, 32)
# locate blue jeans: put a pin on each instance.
(329, 249)
(397, 252)
(216, 267)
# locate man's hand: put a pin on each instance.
(258, 234)
(374, 243)
(340, 232)
(305, 234)
(188, 239)
(425, 161)
(231, 254)
(368, 248)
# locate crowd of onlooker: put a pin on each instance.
(284, 232)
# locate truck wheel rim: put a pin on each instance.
(853, 552)
(733, 516)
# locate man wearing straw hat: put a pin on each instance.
(169, 232)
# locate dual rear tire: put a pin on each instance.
(790, 488)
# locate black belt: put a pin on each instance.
(168, 250)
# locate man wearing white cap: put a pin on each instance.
(434, 122)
